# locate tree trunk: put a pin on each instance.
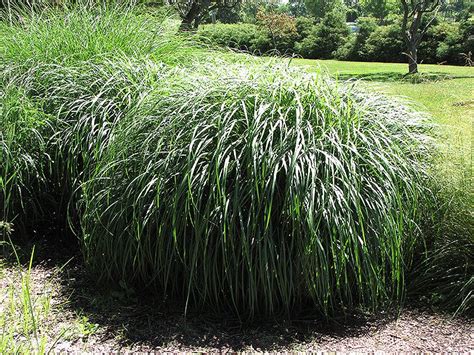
(197, 22)
(185, 26)
(188, 20)
(413, 59)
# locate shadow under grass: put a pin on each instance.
(123, 319)
(143, 322)
(140, 321)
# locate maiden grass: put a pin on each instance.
(240, 184)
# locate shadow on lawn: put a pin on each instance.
(398, 77)
(141, 322)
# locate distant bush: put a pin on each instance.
(325, 38)
(272, 32)
(354, 48)
(304, 26)
(444, 42)
(241, 36)
(465, 44)
(385, 44)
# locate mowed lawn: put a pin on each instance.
(445, 92)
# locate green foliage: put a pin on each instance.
(379, 9)
(444, 275)
(273, 31)
(445, 41)
(228, 15)
(297, 8)
(441, 43)
(24, 160)
(354, 48)
(320, 8)
(385, 44)
(325, 37)
(245, 37)
(36, 178)
(56, 38)
(374, 43)
(239, 190)
(249, 9)
(304, 26)
(257, 39)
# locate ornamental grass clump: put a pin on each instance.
(258, 188)
(215, 179)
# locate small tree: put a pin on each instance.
(279, 26)
(413, 27)
(192, 11)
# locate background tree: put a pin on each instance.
(228, 15)
(453, 8)
(319, 8)
(377, 8)
(193, 11)
(414, 28)
(250, 8)
(297, 8)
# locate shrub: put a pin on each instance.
(304, 26)
(446, 41)
(274, 31)
(355, 47)
(325, 37)
(257, 39)
(385, 44)
(466, 27)
(441, 43)
(246, 37)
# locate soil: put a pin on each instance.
(119, 321)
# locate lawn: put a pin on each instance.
(381, 69)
